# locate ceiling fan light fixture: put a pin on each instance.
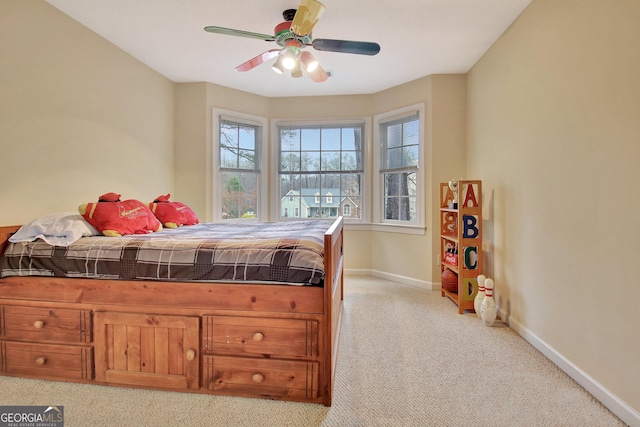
(277, 66)
(289, 59)
(292, 36)
(297, 70)
(310, 63)
(319, 75)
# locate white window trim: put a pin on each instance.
(365, 191)
(263, 180)
(379, 223)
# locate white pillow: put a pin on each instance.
(60, 229)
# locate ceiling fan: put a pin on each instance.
(293, 36)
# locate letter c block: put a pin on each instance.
(471, 257)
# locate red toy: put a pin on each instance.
(113, 217)
(172, 214)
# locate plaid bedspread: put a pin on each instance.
(288, 252)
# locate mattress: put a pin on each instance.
(285, 252)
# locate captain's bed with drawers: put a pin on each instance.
(250, 309)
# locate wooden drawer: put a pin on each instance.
(47, 360)
(287, 338)
(260, 377)
(45, 324)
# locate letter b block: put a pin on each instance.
(470, 224)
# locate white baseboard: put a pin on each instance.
(394, 278)
(626, 413)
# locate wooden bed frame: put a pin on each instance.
(251, 340)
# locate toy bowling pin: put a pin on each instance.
(477, 302)
(488, 310)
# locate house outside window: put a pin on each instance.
(238, 166)
(319, 166)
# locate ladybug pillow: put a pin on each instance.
(172, 214)
(113, 217)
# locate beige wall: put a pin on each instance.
(447, 149)
(554, 132)
(78, 117)
(193, 120)
(191, 154)
(445, 134)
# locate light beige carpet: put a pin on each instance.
(406, 358)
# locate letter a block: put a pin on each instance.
(470, 197)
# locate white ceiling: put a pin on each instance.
(417, 38)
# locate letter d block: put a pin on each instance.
(470, 289)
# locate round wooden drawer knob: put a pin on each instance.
(258, 378)
(191, 354)
(41, 360)
(258, 336)
(38, 324)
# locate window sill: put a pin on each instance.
(386, 228)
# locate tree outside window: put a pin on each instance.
(400, 142)
(239, 150)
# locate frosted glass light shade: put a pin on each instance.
(297, 70)
(318, 75)
(289, 59)
(277, 66)
(310, 63)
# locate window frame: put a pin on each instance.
(263, 149)
(365, 215)
(378, 169)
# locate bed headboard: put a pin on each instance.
(5, 233)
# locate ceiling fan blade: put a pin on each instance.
(254, 62)
(346, 46)
(306, 17)
(239, 33)
(318, 75)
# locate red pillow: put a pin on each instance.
(172, 214)
(113, 217)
